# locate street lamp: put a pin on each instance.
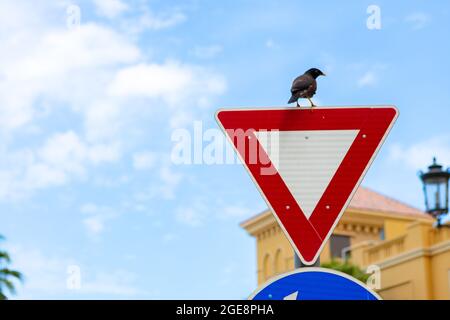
(435, 188)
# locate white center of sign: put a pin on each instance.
(307, 160)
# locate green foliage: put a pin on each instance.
(7, 276)
(347, 268)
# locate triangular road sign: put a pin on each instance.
(306, 163)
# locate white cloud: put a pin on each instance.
(42, 61)
(56, 64)
(419, 155)
(94, 225)
(162, 186)
(144, 160)
(189, 216)
(181, 119)
(367, 79)
(118, 282)
(207, 52)
(89, 75)
(170, 180)
(154, 22)
(103, 120)
(62, 51)
(110, 8)
(149, 80)
(370, 75)
(46, 276)
(62, 158)
(110, 181)
(172, 82)
(235, 211)
(67, 153)
(64, 151)
(40, 175)
(192, 215)
(418, 20)
(43, 275)
(97, 217)
(148, 20)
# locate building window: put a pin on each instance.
(267, 267)
(337, 244)
(278, 262)
(382, 236)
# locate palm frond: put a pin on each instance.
(5, 272)
(5, 256)
(8, 284)
(7, 276)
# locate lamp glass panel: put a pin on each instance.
(436, 195)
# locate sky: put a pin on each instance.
(93, 94)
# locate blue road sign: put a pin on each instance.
(314, 284)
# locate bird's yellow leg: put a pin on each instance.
(312, 103)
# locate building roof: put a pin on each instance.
(366, 199)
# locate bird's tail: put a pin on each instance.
(292, 99)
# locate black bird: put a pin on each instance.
(305, 86)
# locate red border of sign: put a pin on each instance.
(309, 236)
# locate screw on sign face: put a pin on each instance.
(305, 86)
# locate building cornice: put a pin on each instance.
(265, 218)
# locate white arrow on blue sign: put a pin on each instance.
(314, 284)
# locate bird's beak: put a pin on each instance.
(324, 74)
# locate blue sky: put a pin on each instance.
(87, 112)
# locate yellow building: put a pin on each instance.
(413, 257)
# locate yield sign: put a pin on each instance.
(307, 164)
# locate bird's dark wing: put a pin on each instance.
(302, 83)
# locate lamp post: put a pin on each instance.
(435, 188)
